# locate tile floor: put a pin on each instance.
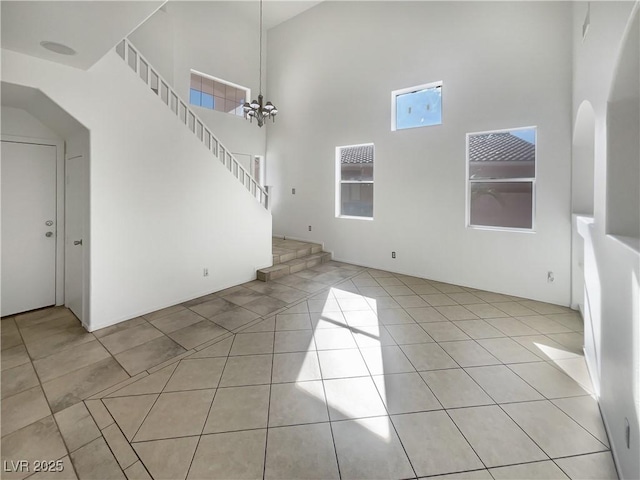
(334, 372)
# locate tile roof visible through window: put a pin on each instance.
(503, 147)
(360, 154)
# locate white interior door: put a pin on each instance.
(29, 226)
(74, 257)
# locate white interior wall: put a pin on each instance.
(19, 122)
(162, 207)
(611, 266)
(504, 65)
(220, 39)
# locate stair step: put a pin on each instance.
(292, 256)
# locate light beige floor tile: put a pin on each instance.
(513, 309)
(350, 398)
(242, 297)
(389, 281)
(511, 326)
(39, 317)
(119, 446)
(351, 304)
(465, 298)
(342, 363)
(372, 336)
(18, 379)
(428, 356)
(572, 340)
(67, 338)
(99, 412)
(361, 318)
(67, 361)
(549, 381)
(439, 300)
(196, 374)
(334, 338)
(491, 297)
(507, 350)
(310, 445)
(132, 337)
(380, 303)
(238, 408)
(48, 329)
(9, 335)
(324, 305)
(267, 305)
(149, 354)
(424, 289)
(444, 331)
(426, 315)
(484, 310)
(585, 411)
(176, 321)
(322, 321)
(268, 325)
(168, 459)
(293, 321)
(434, 444)
(405, 393)
(295, 367)
(408, 334)
(385, 360)
(545, 348)
(495, 437)
(297, 403)
(502, 384)
(61, 470)
(95, 461)
(247, 370)
(163, 312)
(471, 475)
(597, 466)
(553, 430)
(76, 426)
(370, 449)
(176, 414)
(373, 291)
(447, 287)
(37, 441)
(394, 316)
(543, 308)
(573, 320)
(239, 455)
(14, 357)
(300, 307)
(78, 385)
(119, 327)
(213, 307)
(23, 409)
(454, 388)
(576, 368)
(153, 383)
(130, 412)
(543, 324)
(197, 334)
(233, 320)
(546, 470)
(410, 301)
(469, 353)
(400, 290)
(137, 472)
(478, 329)
(457, 312)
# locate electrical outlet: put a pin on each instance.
(293, 191)
(309, 227)
(393, 254)
(205, 272)
(550, 277)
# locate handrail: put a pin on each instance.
(187, 116)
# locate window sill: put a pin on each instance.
(347, 217)
(501, 229)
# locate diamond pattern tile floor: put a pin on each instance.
(341, 372)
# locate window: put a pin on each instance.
(501, 178)
(215, 94)
(419, 106)
(354, 181)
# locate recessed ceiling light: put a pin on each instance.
(58, 48)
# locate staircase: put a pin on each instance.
(292, 256)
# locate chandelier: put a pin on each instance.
(257, 108)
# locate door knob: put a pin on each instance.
(48, 234)
(77, 242)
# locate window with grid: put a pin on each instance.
(501, 179)
(215, 94)
(354, 175)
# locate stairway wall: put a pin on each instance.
(162, 208)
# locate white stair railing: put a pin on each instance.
(187, 116)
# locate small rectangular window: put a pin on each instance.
(419, 106)
(501, 178)
(354, 181)
(215, 94)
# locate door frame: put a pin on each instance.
(60, 225)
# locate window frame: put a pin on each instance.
(339, 182)
(394, 104)
(532, 180)
(219, 80)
